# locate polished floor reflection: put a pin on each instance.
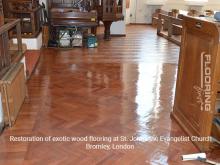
(123, 88)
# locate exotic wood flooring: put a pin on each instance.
(125, 87)
(31, 57)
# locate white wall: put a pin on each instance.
(141, 10)
(116, 28)
(138, 11)
(181, 4)
(143, 13)
(32, 43)
(119, 27)
(127, 17)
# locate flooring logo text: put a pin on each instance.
(204, 91)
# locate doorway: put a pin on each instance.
(138, 12)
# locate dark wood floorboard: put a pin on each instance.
(125, 87)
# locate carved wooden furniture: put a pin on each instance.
(164, 21)
(169, 27)
(176, 27)
(66, 14)
(110, 11)
(1, 14)
(85, 13)
(169, 24)
(13, 90)
(155, 16)
(72, 17)
(6, 57)
(45, 27)
(12, 84)
(196, 104)
(29, 11)
(209, 12)
(193, 13)
(175, 12)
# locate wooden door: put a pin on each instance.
(138, 10)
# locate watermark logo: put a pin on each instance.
(204, 91)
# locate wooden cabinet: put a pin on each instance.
(195, 106)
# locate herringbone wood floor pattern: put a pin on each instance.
(125, 87)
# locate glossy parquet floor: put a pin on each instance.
(125, 87)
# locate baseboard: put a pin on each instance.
(118, 35)
(139, 24)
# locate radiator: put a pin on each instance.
(13, 90)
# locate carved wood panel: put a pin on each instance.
(4, 58)
(28, 11)
(1, 14)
